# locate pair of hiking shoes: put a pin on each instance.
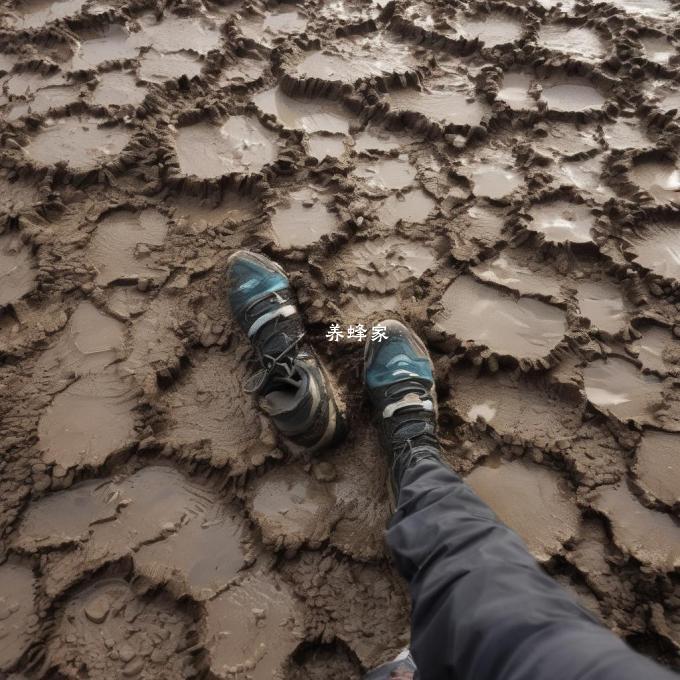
(297, 393)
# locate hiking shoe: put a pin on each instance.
(399, 377)
(293, 387)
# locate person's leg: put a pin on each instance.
(482, 607)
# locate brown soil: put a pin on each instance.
(502, 175)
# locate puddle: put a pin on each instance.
(117, 88)
(157, 67)
(105, 626)
(514, 91)
(17, 612)
(582, 42)
(483, 230)
(241, 144)
(291, 507)
(532, 500)
(660, 179)
(88, 421)
(208, 404)
(28, 82)
(382, 265)
(272, 27)
(413, 205)
(43, 100)
(174, 34)
(17, 270)
(90, 342)
(651, 537)
(246, 70)
(573, 95)
(252, 625)
(506, 271)
(385, 174)
(625, 134)
(657, 466)
(602, 303)
(197, 215)
(115, 43)
(352, 59)
(658, 50)
(657, 349)
(304, 220)
(79, 141)
(658, 249)
(319, 146)
(562, 222)
(616, 386)
(440, 105)
(494, 182)
(37, 13)
(494, 28)
(119, 249)
(523, 328)
(310, 115)
(375, 139)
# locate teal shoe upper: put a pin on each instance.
(251, 277)
(395, 359)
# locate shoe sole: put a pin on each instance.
(337, 424)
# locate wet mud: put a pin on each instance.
(503, 176)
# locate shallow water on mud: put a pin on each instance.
(441, 106)
(491, 29)
(584, 43)
(562, 222)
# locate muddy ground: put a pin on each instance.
(502, 176)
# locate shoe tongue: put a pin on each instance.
(413, 427)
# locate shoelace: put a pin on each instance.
(270, 362)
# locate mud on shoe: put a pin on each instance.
(293, 387)
(398, 375)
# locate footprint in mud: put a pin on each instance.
(490, 28)
(659, 49)
(354, 58)
(492, 174)
(603, 305)
(657, 350)
(38, 13)
(579, 42)
(382, 265)
(241, 144)
(626, 133)
(177, 530)
(17, 269)
(656, 466)
(17, 612)
(616, 386)
(253, 628)
(118, 88)
(659, 179)
(157, 67)
(480, 229)
(514, 91)
(195, 214)
(376, 139)
(172, 33)
(234, 432)
(310, 115)
(304, 218)
(380, 176)
(586, 176)
(105, 629)
(562, 222)
(481, 315)
(122, 248)
(42, 101)
(651, 537)
(412, 206)
(114, 43)
(449, 100)
(571, 95)
(80, 141)
(514, 272)
(272, 27)
(657, 249)
(246, 70)
(533, 500)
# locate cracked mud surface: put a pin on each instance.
(503, 176)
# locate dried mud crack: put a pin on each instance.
(502, 175)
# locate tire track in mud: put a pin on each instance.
(432, 160)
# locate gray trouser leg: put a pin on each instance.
(482, 607)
